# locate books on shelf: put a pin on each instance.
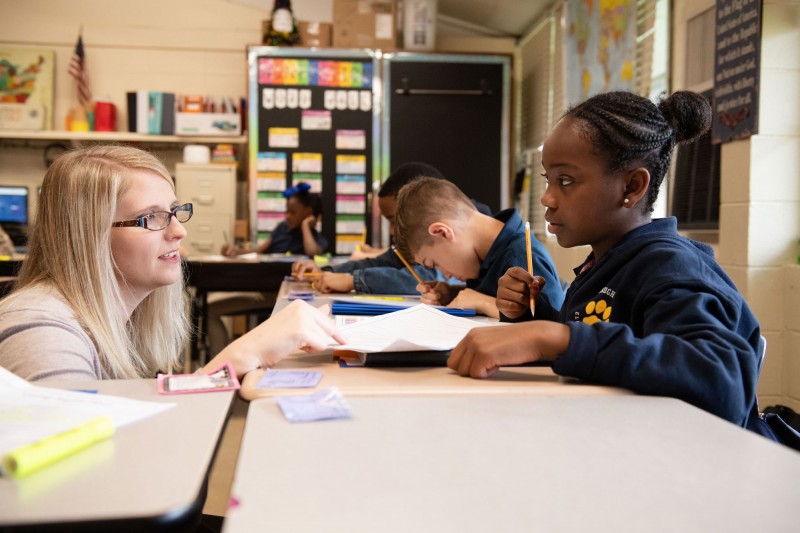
(151, 112)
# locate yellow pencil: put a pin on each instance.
(360, 246)
(309, 274)
(403, 259)
(530, 261)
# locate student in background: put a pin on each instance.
(649, 310)
(384, 274)
(101, 294)
(296, 234)
(437, 226)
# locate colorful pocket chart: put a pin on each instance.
(315, 73)
(351, 184)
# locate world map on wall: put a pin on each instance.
(600, 47)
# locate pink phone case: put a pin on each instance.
(223, 378)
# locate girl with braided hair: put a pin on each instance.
(649, 310)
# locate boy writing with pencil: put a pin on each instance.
(437, 226)
(384, 273)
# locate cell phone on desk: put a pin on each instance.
(224, 378)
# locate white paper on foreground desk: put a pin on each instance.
(417, 328)
(29, 413)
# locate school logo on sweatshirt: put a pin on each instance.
(599, 310)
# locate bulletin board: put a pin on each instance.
(313, 119)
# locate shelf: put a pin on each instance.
(121, 136)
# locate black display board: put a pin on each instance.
(451, 112)
(313, 121)
(737, 62)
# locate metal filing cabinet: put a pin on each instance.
(212, 191)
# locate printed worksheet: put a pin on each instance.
(417, 328)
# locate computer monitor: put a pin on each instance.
(14, 212)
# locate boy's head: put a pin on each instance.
(387, 195)
(432, 227)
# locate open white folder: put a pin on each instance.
(417, 328)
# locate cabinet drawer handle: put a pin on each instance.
(205, 199)
(203, 246)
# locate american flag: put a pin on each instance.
(77, 69)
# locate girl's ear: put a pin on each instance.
(440, 229)
(636, 183)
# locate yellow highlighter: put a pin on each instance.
(30, 458)
(385, 298)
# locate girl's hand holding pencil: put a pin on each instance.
(305, 268)
(515, 291)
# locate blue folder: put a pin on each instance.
(366, 309)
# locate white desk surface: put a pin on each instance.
(153, 469)
(490, 463)
(539, 381)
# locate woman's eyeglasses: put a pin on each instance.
(158, 220)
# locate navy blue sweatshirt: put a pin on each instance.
(659, 316)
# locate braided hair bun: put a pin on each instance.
(688, 114)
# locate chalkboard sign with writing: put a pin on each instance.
(736, 69)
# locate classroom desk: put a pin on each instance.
(373, 381)
(537, 381)
(216, 273)
(491, 463)
(151, 475)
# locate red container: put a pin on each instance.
(105, 116)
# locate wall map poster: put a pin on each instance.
(26, 88)
(600, 47)
(736, 70)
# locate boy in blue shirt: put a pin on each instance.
(438, 227)
(384, 273)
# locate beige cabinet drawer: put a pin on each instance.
(208, 187)
(206, 234)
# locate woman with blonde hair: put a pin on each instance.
(100, 294)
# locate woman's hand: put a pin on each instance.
(514, 290)
(298, 326)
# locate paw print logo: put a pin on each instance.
(596, 312)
